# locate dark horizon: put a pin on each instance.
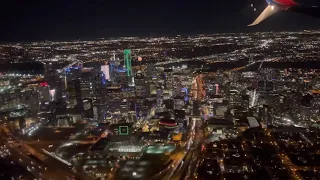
(36, 20)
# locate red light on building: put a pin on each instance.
(203, 147)
(167, 124)
(44, 84)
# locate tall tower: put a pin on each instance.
(127, 61)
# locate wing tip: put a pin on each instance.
(267, 12)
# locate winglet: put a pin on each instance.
(269, 11)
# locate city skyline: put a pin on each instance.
(169, 90)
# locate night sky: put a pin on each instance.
(28, 20)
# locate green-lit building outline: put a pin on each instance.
(119, 130)
(127, 61)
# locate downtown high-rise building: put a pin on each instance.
(140, 85)
(99, 100)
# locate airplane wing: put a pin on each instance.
(269, 11)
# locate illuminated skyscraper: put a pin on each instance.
(99, 100)
(106, 71)
(127, 61)
(141, 93)
(140, 85)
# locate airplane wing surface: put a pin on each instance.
(269, 11)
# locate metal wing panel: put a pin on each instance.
(269, 11)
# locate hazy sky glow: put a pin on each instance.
(73, 19)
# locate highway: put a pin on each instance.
(12, 157)
(20, 156)
(185, 158)
(190, 161)
(171, 169)
(40, 165)
(191, 171)
(182, 167)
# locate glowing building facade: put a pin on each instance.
(106, 71)
(127, 62)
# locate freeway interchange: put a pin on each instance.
(39, 165)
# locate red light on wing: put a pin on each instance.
(286, 2)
